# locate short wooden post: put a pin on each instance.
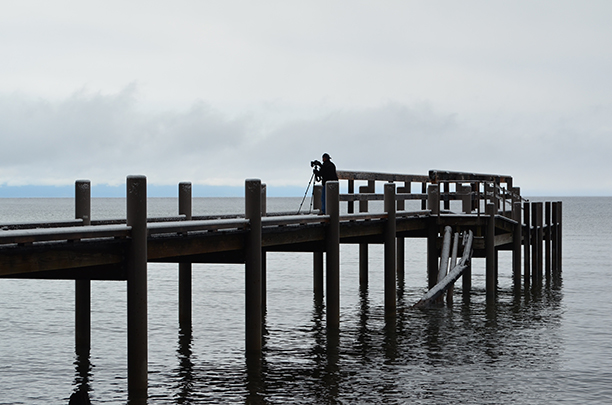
(424, 191)
(433, 204)
(390, 245)
(527, 244)
(317, 192)
(351, 190)
(446, 192)
(332, 205)
(433, 199)
(491, 282)
(184, 276)
(516, 244)
(82, 307)
(253, 305)
(466, 198)
(137, 288)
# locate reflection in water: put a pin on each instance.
(83, 373)
(185, 369)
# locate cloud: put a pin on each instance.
(105, 137)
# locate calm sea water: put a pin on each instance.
(538, 347)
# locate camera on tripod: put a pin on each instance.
(314, 163)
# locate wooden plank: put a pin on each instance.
(376, 176)
(55, 234)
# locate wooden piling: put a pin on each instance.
(527, 244)
(390, 245)
(332, 261)
(491, 282)
(401, 245)
(264, 260)
(82, 308)
(137, 288)
(185, 268)
(554, 238)
(547, 239)
(253, 316)
(560, 236)
(363, 247)
(433, 204)
(317, 257)
(516, 244)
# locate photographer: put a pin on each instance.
(324, 172)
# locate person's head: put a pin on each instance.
(326, 157)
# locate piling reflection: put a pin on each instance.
(83, 373)
(185, 371)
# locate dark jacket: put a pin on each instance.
(328, 171)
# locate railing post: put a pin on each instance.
(466, 200)
(433, 199)
(390, 245)
(540, 239)
(351, 190)
(560, 235)
(82, 308)
(332, 205)
(253, 318)
(491, 282)
(184, 276)
(137, 288)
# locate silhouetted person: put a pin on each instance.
(325, 172)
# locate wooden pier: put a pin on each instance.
(493, 217)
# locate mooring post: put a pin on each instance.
(516, 244)
(332, 237)
(433, 204)
(491, 282)
(527, 244)
(184, 276)
(390, 245)
(253, 316)
(82, 309)
(137, 288)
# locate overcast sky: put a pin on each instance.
(214, 92)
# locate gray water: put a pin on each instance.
(537, 347)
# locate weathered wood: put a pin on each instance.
(375, 176)
(253, 318)
(333, 256)
(452, 276)
(185, 268)
(527, 244)
(82, 304)
(389, 251)
(491, 262)
(137, 289)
